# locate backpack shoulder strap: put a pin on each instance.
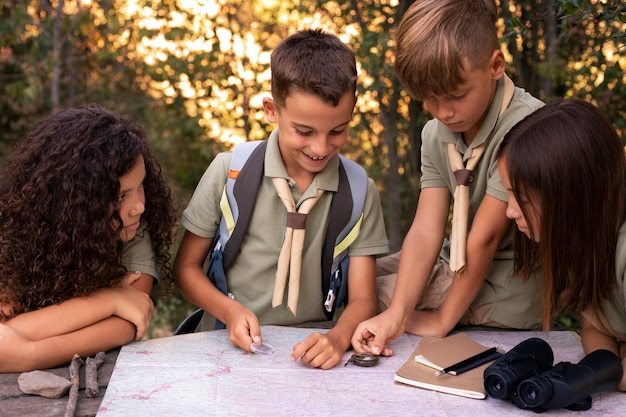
(237, 203)
(343, 227)
(244, 179)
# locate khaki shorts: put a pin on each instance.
(435, 292)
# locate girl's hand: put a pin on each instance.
(318, 351)
(131, 305)
(131, 277)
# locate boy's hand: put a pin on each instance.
(243, 327)
(318, 351)
(131, 305)
(373, 335)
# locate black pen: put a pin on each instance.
(471, 362)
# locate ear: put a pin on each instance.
(270, 109)
(497, 64)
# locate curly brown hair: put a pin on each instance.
(58, 199)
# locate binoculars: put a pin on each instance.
(526, 376)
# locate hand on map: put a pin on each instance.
(318, 351)
(373, 335)
(243, 327)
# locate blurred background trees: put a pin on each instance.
(193, 73)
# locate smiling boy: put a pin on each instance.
(313, 98)
(448, 58)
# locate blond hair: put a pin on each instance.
(436, 38)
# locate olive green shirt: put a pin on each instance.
(614, 308)
(513, 303)
(139, 256)
(251, 278)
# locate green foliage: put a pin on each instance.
(570, 48)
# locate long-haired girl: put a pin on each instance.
(87, 221)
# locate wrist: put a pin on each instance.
(398, 313)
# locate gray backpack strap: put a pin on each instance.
(237, 203)
(343, 228)
(247, 167)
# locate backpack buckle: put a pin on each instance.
(330, 300)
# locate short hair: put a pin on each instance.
(59, 196)
(567, 162)
(436, 36)
(313, 62)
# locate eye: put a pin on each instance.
(303, 133)
(337, 132)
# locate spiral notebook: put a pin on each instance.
(432, 354)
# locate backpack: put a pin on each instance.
(237, 204)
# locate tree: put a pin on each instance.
(569, 48)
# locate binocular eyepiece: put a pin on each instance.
(526, 377)
(529, 358)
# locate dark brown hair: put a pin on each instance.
(58, 199)
(436, 36)
(567, 162)
(313, 62)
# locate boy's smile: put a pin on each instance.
(311, 132)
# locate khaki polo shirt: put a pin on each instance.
(251, 278)
(139, 256)
(614, 308)
(513, 303)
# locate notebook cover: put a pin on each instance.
(443, 353)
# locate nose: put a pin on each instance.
(319, 146)
(512, 212)
(444, 111)
(139, 206)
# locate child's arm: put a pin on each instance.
(42, 353)
(487, 229)
(325, 350)
(420, 250)
(242, 324)
(126, 302)
(593, 339)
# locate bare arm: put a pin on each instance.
(425, 238)
(24, 354)
(593, 339)
(130, 303)
(325, 350)
(489, 226)
(195, 286)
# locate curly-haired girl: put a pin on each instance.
(565, 169)
(86, 226)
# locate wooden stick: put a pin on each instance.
(70, 408)
(91, 375)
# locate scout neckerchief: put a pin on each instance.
(290, 258)
(463, 176)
